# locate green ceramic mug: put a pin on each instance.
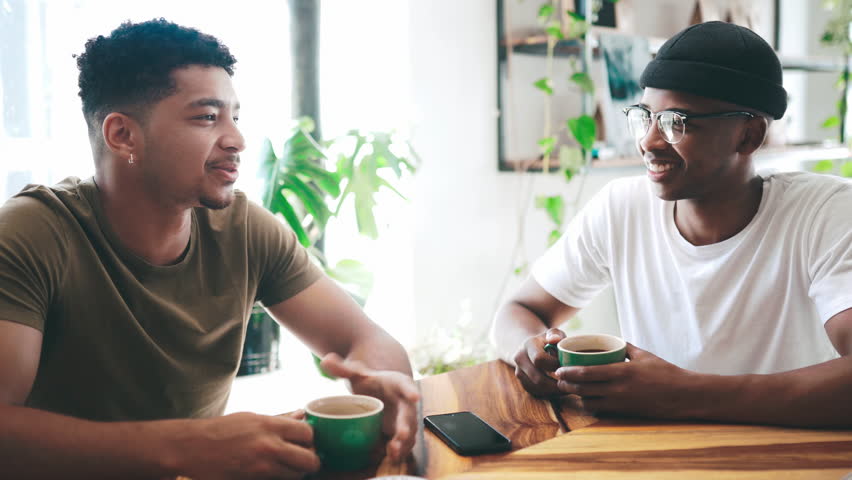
(346, 429)
(595, 349)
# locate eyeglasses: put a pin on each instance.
(671, 124)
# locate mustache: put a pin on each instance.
(230, 160)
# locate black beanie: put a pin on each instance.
(722, 61)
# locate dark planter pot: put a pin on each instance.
(260, 349)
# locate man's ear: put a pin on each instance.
(122, 134)
(753, 134)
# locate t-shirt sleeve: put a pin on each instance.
(576, 268)
(830, 252)
(32, 256)
(283, 264)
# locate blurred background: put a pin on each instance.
(457, 80)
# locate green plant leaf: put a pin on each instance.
(547, 145)
(554, 29)
(311, 199)
(571, 158)
(824, 166)
(353, 273)
(846, 170)
(545, 85)
(584, 81)
(554, 205)
(831, 122)
(544, 12)
(583, 129)
(553, 237)
(328, 181)
(569, 174)
(267, 170)
(282, 206)
(577, 26)
(576, 16)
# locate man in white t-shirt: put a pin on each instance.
(733, 288)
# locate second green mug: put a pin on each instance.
(594, 349)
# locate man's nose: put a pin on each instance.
(233, 139)
(653, 139)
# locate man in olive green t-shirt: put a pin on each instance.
(124, 297)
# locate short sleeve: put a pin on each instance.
(576, 268)
(283, 264)
(830, 251)
(32, 256)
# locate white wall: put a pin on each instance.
(466, 212)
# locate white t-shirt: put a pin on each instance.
(754, 303)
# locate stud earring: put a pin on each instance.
(130, 160)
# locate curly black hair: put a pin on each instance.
(130, 70)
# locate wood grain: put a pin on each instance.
(556, 439)
(649, 449)
(493, 393)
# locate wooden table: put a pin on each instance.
(553, 438)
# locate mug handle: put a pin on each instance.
(551, 348)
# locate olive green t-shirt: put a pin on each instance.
(125, 339)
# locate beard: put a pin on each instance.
(216, 203)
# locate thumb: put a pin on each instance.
(295, 415)
(334, 365)
(554, 335)
(634, 352)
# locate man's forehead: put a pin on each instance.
(198, 86)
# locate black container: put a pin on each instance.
(260, 349)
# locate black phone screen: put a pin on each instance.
(467, 434)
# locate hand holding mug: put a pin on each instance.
(534, 366)
(397, 391)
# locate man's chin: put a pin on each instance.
(217, 203)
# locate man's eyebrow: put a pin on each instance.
(210, 102)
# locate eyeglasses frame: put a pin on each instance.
(683, 116)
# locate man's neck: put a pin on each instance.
(707, 221)
(158, 234)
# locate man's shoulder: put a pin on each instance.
(815, 190)
(36, 204)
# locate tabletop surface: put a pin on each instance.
(552, 437)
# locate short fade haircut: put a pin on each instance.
(130, 70)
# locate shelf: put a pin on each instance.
(789, 157)
(537, 45)
(812, 64)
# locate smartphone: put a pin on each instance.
(467, 434)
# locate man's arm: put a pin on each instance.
(522, 327)
(333, 326)
(39, 444)
(814, 396)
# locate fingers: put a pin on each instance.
(295, 415)
(584, 390)
(536, 354)
(334, 365)
(405, 433)
(594, 373)
(298, 458)
(554, 335)
(294, 431)
(634, 352)
(544, 387)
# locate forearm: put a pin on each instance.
(513, 324)
(379, 351)
(39, 444)
(815, 396)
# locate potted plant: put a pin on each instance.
(306, 190)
